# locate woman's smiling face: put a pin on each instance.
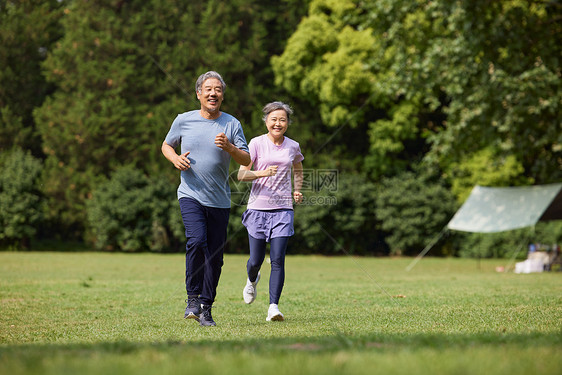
(277, 123)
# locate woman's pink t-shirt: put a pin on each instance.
(274, 192)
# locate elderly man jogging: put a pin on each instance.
(208, 139)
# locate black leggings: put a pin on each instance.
(278, 246)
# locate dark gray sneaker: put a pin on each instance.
(193, 309)
(206, 319)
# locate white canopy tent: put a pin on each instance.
(497, 209)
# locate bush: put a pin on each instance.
(338, 218)
(20, 199)
(132, 212)
(510, 243)
(335, 217)
(413, 209)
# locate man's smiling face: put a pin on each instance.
(211, 96)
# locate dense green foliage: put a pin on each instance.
(446, 81)
(20, 198)
(413, 210)
(124, 70)
(338, 221)
(28, 31)
(332, 219)
(513, 244)
(134, 213)
(471, 90)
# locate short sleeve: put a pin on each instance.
(238, 138)
(298, 154)
(173, 137)
(253, 150)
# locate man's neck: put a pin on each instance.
(209, 115)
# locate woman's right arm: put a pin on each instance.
(245, 173)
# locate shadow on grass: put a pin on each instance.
(324, 344)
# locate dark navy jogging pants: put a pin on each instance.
(205, 230)
(277, 250)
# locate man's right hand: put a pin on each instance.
(182, 162)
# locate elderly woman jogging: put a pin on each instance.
(269, 215)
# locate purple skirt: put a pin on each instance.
(265, 225)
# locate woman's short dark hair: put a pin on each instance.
(275, 106)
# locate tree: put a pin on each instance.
(29, 30)
(344, 202)
(413, 209)
(109, 102)
(438, 80)
(124, 70)
(340, 67)
(509, 244)
(20, 198)
(509, 102)
(131, 212)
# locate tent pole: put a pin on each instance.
(512, 260)
(510, 264)
(427, 248)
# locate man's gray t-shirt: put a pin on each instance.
(207, 179)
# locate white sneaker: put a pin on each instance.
(250, 290)
(273, 314)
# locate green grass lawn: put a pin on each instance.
(97, 313)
